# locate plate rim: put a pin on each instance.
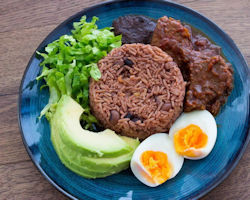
(229, 168)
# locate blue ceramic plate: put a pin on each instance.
(196, 177)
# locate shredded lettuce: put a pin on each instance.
(69, 62)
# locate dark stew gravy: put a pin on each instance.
(209, 78)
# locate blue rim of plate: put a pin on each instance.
(228, 168)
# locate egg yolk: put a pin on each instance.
(157, 165)
(188, 139)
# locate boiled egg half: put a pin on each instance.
(155, 160)
(194, 134)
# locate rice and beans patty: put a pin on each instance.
(140, 93)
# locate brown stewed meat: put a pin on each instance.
(172, 37)
(210, 82)
(209, 78)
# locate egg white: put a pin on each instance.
(207, 124)
(157, 142)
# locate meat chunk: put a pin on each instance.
(174, 38)
(134, 28)
(210, 83)
(209, 78)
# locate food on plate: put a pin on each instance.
(210, 83)
(155, 160)
(134, 91)
(71, 60)
(209, 78)
(134, 28)
(194, 134)
(140, 93)
(87, 153)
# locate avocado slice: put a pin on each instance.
(68, 164)
(66, 121)
(97, 164)
(82, 160)
(92, 167)
(74, 166)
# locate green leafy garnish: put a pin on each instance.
(69, 62)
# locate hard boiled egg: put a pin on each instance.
(155, 160)
(194, 134)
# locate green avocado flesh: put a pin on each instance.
(73, 165)
(82, 163)
(103, 144)
(92, 167)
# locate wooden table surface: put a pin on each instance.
(23, 25)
